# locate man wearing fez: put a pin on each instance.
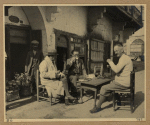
(76, 70)
(54, 80)
(34, 57)
(122, 77)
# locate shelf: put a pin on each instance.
(97, 50)
(92, 61)
(98, 40)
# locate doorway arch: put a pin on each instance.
(35, 16)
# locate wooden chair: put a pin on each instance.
(125, 96)
(41, 94)
(98, 70)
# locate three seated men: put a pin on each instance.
(76, 69)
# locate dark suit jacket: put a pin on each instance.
(70, 67)
(29, 60)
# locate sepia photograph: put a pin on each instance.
(74, 62)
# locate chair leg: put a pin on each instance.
(51, 99)
(114, 101)
(81, 95)
(38, 94)
(132, 103)
(95, 98)
(31, 88)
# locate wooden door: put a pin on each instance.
(16, 45)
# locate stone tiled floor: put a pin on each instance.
(29, 108)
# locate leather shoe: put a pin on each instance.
(119, 103)
(67, 103)
(71, 98)
(75, 101)
(58, 97)
(95, 110)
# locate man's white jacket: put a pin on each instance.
(48, 77)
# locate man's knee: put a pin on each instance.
(73, 79)
(103, 90)
(64, 80)
(61, 84)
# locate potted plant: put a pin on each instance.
(18, 79)
(12, 91)
(25, 84)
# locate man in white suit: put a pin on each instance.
(50, 76)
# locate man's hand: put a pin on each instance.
(57, 75)
(58, 71)
(62, 74)
(72, 60)
(109, 60)
(26, 74)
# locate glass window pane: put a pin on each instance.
(15, 32)
(18, 40)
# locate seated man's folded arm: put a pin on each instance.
(118, 67)
(68, 65)
(45, 73)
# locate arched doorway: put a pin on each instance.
(31, 26)
(37, 23)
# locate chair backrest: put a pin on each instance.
(98, 70)
(132, 81)
(38, 77)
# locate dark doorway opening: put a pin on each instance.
(61, 57)
(18, 53)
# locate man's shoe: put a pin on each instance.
(119, 103)
(58, 97)
(62, 100)
(67, 103)
(71, 98)
(95, 110)
(80, 101)
(75, 101)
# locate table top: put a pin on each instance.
(96, 81)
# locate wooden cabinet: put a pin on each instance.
(78, 44)
(96, 54)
